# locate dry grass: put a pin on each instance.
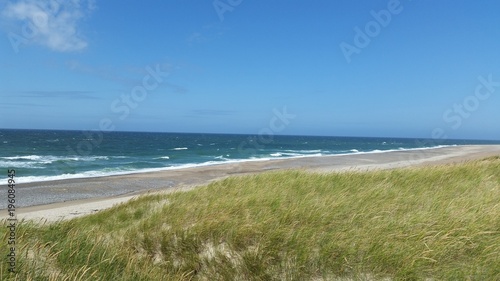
(430, 223)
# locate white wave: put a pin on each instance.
(100, 157)
(116, 172)
(294, 155)
(308, 155)
(27, 157)
(288, 154)
(163, 157)
(108, 172)
(89, 174)
(304, 151)
(87, 158)
(222, 157)
(392, 150)
(11, 164)
(179, 148)
(54, 158)
(34, 161)
(26, 161)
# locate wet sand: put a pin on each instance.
(64, 199)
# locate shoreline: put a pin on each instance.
(69, 198)
(213, 163)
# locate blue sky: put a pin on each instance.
(426, 69)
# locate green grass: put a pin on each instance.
(435, 223)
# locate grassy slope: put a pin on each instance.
(436, 222)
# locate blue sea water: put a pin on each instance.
(41, 155)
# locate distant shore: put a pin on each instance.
(70, 198)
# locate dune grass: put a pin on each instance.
(434, 223)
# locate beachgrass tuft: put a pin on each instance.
(434, 223)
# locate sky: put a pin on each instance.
(388, 68)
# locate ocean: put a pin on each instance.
(42, 155)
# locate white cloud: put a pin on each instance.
(50, 23)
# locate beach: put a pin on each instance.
(66, 199)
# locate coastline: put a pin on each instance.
(66, 199)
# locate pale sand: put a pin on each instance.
(66, 199)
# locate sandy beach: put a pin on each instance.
(65, 199)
